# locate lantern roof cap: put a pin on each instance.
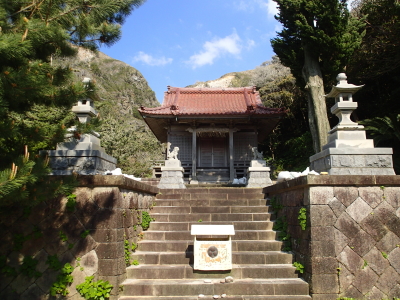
(343, 87)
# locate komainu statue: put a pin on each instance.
(172, 154)
(257, 155)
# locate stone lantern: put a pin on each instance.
(347, 133)
(81, 153)
(85, 108)
(348, 151)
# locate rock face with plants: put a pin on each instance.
(121, 89)
(343, 232)
(74, 247)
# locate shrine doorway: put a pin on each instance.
(213, 152)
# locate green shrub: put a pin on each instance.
(94, 290)
(302, 218)
(64, 279)
(146, 220)
(299, 267)
(28, 267)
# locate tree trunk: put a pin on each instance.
(317, 115)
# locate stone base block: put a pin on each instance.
(173, 163)
(349, 143)
(258, 163)
(84, 162)
(353, 161)
(258, 177)
(86, 142)
(172, 179)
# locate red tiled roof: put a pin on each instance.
(211, 101)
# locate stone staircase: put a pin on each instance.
(260, 269)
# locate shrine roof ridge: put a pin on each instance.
(206, 90)
(211, 101)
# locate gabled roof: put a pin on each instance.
(212, 102)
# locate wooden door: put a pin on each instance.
(213, 152)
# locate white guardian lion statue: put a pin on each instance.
(172, 154)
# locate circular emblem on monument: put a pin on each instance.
(212, 251)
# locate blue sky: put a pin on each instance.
(179, 42)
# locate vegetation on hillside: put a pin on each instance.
(121, 89)
(289, 145)
(377, 65)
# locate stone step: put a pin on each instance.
(211, 297)
(212, 190)
(266, 257)
(209, 217)
(186, 272)
(165, 255)
(208, 202)
(209, 209)
(211, 196)
(161, 219)
(174, 246)
(193, 287)
(185, 235)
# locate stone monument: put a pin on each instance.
(258, 173)
(212, 247)
(172, 172)
(348, 151)
(81, 154)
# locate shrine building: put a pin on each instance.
(214, 128)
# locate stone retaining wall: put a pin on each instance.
(351, 246)
(91, 237)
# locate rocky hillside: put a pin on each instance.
(121, 89)
(271, 78)
(227, 80)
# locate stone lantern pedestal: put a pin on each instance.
(258, 174)
(172, 175)
(348, 151)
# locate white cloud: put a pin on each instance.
(269, 6)
(244, 5)
(250, 44)
(150, 60)
(272, 8)
(230, 44)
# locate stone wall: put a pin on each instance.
(351, 246)
(91, 237)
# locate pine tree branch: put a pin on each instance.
(22, 10)
(63, 14)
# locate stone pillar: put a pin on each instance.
(231, 166)
(172, 175)
(258, 174)
(194, 157)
